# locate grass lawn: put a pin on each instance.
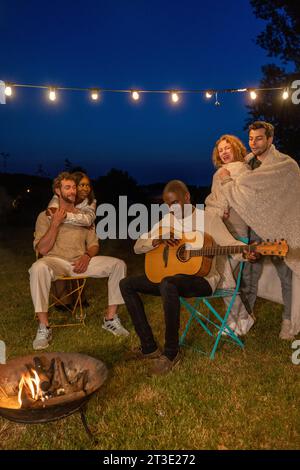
(241, 400)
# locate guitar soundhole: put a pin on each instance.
(183, 254)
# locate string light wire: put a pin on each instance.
(208, 92)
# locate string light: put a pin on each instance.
(285, 94)
(8, 90)
(135, 95)
(95, 95)
(174, 97)
(52, 94)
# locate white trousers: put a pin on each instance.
(47, 269)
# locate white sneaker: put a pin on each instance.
(244, 325)
(43, 337)
(285, 332)
(227, 332)
(115, 327)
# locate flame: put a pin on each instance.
(32, 384)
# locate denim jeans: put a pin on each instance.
(252, 273)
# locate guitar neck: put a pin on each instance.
(221, 250)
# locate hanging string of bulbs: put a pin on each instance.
(175, 95)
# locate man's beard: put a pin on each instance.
(260, 152)
(67, 199)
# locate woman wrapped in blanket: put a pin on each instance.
(229, 152)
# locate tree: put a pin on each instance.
(281, 39)
(283, 114)
(114, 184)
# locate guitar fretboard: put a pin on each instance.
(221, 250)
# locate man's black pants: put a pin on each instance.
(170, 289)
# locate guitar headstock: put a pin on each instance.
(275, 248)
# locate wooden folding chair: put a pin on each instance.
(74, 294)
(77, 285)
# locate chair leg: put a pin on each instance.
(221, 323)
(182, 338)
(80, 284)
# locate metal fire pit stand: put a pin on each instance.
(80, 408)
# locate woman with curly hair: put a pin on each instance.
(229, 152)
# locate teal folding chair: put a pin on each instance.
(213, 322)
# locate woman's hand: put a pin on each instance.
(223, 173)
(226, 214)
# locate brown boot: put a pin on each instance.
(163, 365)
(137, 354)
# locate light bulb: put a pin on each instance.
(94, 95)
(285, 95)
(135, 95)
(208, 94)
(52, 95)
(8, 90)
(175, 97)
(253, 95)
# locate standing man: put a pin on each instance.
(261, 136)
(176, 196)
(70, 250)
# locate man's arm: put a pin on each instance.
(143, 245)
(47, 241)
(149, 241)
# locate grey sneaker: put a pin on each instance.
(285, 332)
(43, 337)
(115, 327)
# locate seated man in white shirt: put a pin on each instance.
(70, 250)
(176, 196)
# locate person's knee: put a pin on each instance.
(39, 268)
(120, 265)
(125, 285)
(167, 284)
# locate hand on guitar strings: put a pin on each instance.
(166, 241)
(251, 256)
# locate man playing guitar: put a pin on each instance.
(176, 195)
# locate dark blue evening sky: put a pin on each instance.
(142, 44)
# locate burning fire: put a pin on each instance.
(31, 384)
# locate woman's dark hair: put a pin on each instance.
(78, 175)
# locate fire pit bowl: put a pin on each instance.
(75, 365)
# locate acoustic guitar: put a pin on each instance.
(194, 254)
